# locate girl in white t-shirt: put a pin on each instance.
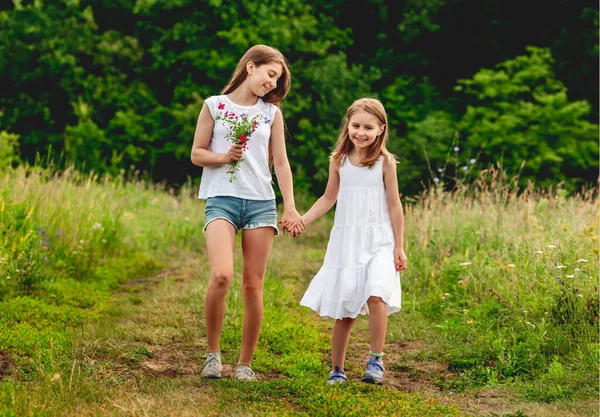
(236, 135)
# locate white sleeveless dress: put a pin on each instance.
(359, 262)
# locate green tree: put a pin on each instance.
(521, 112)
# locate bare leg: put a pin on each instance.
(339, 341)
(256, 246)
(220, 241)
(377, 323)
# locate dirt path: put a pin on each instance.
(148, 359)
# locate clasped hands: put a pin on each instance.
(293, 223)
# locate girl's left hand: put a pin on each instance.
(400, 259)
(292, 220)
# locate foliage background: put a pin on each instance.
(115, 84)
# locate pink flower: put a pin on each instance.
(221, 106)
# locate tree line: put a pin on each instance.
(112, 85)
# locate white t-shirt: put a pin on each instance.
(253, 178)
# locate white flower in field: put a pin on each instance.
(440, 170)
(97, 226)
(464, 167)
(539, 251)
(446, 294)
(580, 295)
(456, 149)
(436, 179)
(551, 247)
(577, 269)
(465, 263)
(582, 260)
(511, 265)
(103, 240)
(472, 160)
(570, 276)
(560, 267)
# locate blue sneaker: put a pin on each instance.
(336, 377)
(374, 372)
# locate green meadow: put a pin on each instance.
(102, 284)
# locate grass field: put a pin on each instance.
(101, 307)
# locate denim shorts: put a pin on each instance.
(241, 213)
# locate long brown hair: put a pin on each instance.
(260, 55)
(344, 145)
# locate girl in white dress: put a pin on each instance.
(365, 252)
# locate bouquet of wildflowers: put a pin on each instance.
(241, 128)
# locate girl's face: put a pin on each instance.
(363, 129)
(263, 78)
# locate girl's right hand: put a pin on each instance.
(233, 154)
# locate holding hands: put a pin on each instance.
(292, 222)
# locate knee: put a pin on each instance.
(375, 302)
(221, 279)
(252, 287)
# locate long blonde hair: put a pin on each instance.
(260, 55)
(344, 145)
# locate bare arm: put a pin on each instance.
(201, 156)
(283, 171)
(396, 212)
(328, 199)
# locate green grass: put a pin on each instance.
(103, 310)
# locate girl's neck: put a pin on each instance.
(360, 154)
(243, 96)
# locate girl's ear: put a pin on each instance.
(250, 67)
(381, 129)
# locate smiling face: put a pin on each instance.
(363, 129)
(263, 78)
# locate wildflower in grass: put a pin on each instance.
(560, 267)
(539, 251)
(465, 263)
(464, 167)
(577, 269)
(551, 247)
(511, 265)
(97, 226)
(570, 276)
(472, 160)
(580, 295)
(470, 321)
(440, 170)
(463, 281)
(558, 278)
(581, 260)
(436, 179)
(456, 149)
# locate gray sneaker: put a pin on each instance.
(244, 373)
(212, 367)
(374, 372)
